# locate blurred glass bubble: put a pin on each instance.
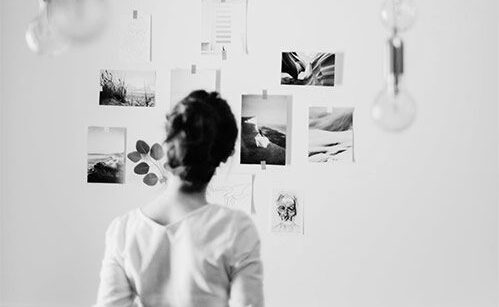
(80, 20)
(42, 37)
(399, 14)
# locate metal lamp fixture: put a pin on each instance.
(394, 109)
(62, 23)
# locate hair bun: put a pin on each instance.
(201, 134)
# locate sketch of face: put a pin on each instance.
(286, 207)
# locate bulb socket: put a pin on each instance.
(396, 60)
(396, 53)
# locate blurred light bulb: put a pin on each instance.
(398, 14)
(80, 20)
(42, 37)
(394, 109)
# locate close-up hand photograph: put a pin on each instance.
(249, 153)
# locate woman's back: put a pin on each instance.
(206, 255)
(209, 256)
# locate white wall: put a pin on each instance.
(1, 145)
(412, 223)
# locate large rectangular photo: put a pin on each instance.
(264, 129)
(331, 137)
(127, 88)
(313, 69)
(106, 155)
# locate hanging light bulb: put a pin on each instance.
(394, 109)
(80, 20)
(398, 14)
(42, 37)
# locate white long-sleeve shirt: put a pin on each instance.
(209, 258)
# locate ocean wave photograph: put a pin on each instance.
(330, 135)
(264, 129)
(106, 155)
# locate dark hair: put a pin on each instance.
(201, 133)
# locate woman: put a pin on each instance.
(179, 250)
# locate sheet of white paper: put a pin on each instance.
(233, 191)
(135, 40)
(184, 81)
(224, 26)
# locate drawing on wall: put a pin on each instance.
(264, 129)
(135, 38)
(331, 136)
(184, 81)
(286, 212)
(127, 88)
(106, 155)
(233, 191)
(299, 68)
(224, 26)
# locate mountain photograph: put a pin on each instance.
(264, 129)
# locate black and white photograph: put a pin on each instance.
(331, 136)
(286, 212)
(313, 69)
(127, 88)
(264, 129)
(360, 171)
(106, 155)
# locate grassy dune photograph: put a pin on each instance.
(127, 88)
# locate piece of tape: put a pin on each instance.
(193, 69)
(263, 164)
(224, 54)
(135, 14)
(253, 207)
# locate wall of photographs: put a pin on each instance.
(378, 219)
(265, 120)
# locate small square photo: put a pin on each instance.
(127, 88)
(312, 69)
(331, 137)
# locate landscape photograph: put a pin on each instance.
(127, 88)
(106, 155)
(264, 129)
(331, 137)
(313, 69)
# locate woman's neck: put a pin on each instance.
(174, 203)
(176, 194)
